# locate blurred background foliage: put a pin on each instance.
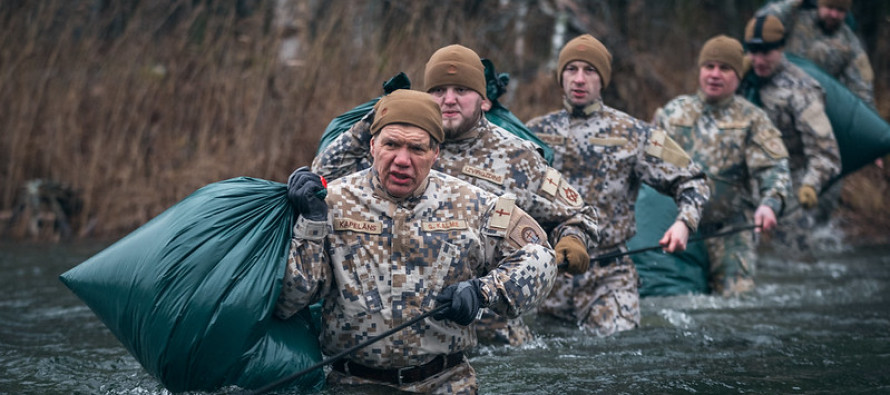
(120, 108)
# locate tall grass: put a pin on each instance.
(136, 104)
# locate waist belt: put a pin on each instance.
(400, 376)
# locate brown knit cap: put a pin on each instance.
(840, 4)
(590, 50)
(455, 65)
(723, 49)
(764, 30)
(410, 107)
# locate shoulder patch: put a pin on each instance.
(484, 174)
(771, 141)
(503, 210)
(570, 195)
(527, 231)
(662, 146)
(608, 141)
(550, 185)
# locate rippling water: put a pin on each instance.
(809, 327)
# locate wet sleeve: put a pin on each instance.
(819, 144)
(666, 167)
(524, 264)
(858, 76)
(307, 274)
(767, 161)
(348, 153)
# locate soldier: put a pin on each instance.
(737, 145)
(795, 104)
(821, 36)
(606, 155)
(488, 157)
(406, 238)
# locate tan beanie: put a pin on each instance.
(590, 50)
(723, 49)
(764, 30)
(839, 4)
(455, 65)
(410, 107)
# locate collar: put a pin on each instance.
(715, 106)
(583, 112)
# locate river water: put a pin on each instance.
(818, 327)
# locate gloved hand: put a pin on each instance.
(306, 191)
(571, 250)
(807, 196)
(464, 299)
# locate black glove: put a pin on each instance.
(464, 300)
(306, 191)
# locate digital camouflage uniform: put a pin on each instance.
(736, 145)
(495, 160)
(795, 104)
(606, 155)
(387, 259)
(839, 53)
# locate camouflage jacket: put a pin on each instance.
(839, 53)
(735, 142)
(607, 154)
(492, 159)
(387, 259)
(794, 103)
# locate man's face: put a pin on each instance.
(831, 18)
(461, 108)
(765, 63)
(402, 158)
(717, 80)
(581, 83)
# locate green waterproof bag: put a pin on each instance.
(665, 274)
(190, 294)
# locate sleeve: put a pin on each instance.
(767, 161)
(307, 274)
(559, 208)
(858, 76)
(524, 264)
(666, 167)
(348, 153)
(819, 144)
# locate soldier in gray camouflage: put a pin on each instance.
(488, 157)
(405, 239)
(606, 155)
(821, 36)
(737, 145)
(795, 104)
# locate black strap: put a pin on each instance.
(400, 376)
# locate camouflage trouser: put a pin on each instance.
(796, 234)
(603, 301)
(460, 379)
(732, 262)
(496, 329)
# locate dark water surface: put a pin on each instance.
(818, 327)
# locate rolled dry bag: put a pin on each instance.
(665, 274)
(862, 135)
(191, 293)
